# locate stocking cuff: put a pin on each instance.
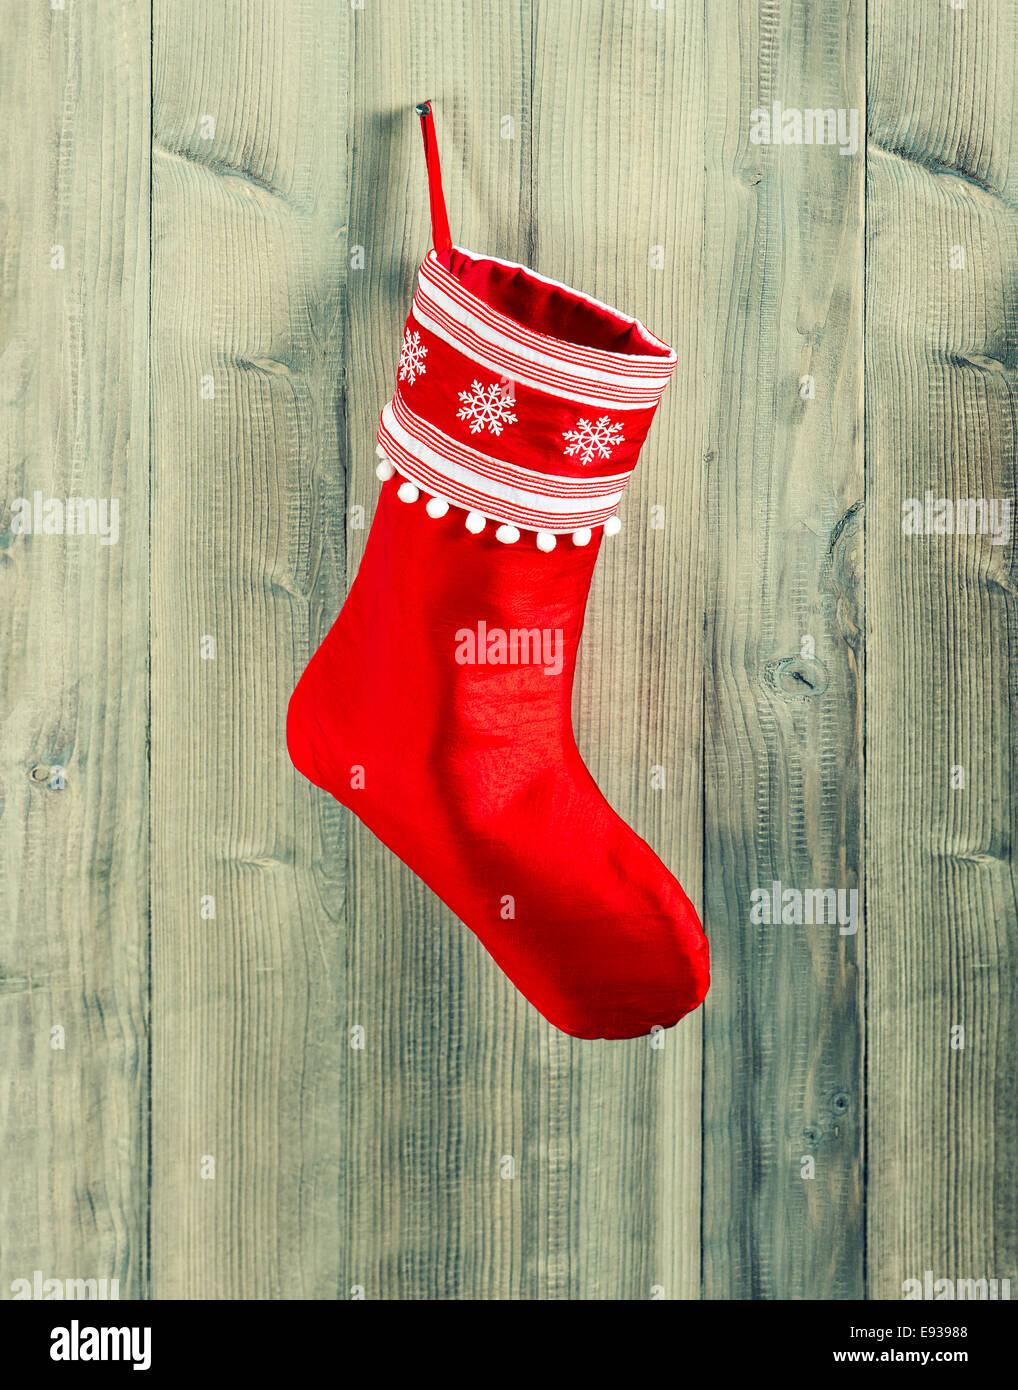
(519, 399)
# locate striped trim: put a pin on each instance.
(493, 340)
(498, 470)
(502, 491)
(659, 364)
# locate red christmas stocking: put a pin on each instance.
(438, 706)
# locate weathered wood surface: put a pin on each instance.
(604, 1138)
(249, 1007)
(74, 839)
(241, 239)
(783, 247)
(942, 940)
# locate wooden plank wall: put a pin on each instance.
(436, 1107)
(248, 318)
(287, 1071)
(783, 247)
(74, 836)
(942, 331)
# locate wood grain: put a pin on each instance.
(316, 1092)
(432, 1109)
(248, 1008)
(618, 212)
(942, 670)
(74, 116)
(783, 248)
(435, 1109)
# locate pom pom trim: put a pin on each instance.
(475, 521)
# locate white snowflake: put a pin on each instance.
(411, 359)
(587, 439)
(486, 407)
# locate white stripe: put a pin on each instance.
(575, 373)
(521, 497)
(468, 500)
(668, 357)
(476, 461)
(485, 330)
(567, 392)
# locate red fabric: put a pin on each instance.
(440, 237)
(531, 410)
(427, 710)
(589, 506)
(472, 777)
(545, 307)
(537, 438)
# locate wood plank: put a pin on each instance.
(343, 1171)
(73, 848)
(249, 1015)
(942, 673)
(458, 1072)
(434, 1104)
(618, 212)
(783, 301)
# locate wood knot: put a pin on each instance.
(797, 677)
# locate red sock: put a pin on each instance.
(438, 706)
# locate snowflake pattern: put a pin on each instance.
(411, 359)
(486, 407)
(586, 439)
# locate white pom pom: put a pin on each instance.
(612, 526)
(408, 492)
(437, 506)
(582, 536)
(380, 451)
(384, 470)
(545, 540)
(475, 522)
(507, 534)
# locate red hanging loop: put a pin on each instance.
(439, 218)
